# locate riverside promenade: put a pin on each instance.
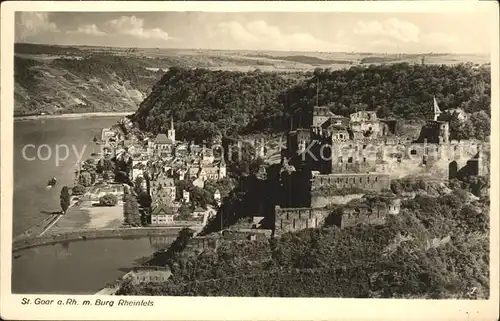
(86, 234)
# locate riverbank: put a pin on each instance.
(88, 234)
(75, 115)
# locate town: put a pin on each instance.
(142, 177)
(162, 182)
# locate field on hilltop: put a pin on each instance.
(69, 79)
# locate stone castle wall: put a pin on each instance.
(377, 216)
(321, 201)
(296, 219)
(368, 181)
(203, 243)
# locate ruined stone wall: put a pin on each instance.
(368, 182)
(322, 201)
(296, 219)
(428, 160)
(202, 243)
(376, 217)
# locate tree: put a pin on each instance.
(64, 199)
(108, 200)
(85, 179)
(200, 197)
(131, 210)
(106, 176)
(481, 123)
(184, 212)
(477, 183)
(144, 199)
(78, 190)
(138, 184)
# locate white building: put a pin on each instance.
(217, 197)
(162, 214)
(163, 189)
(185, 196)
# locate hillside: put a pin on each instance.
(66, 79)
(204, 102)
(69, 85)
(401, 89)
(436, 248)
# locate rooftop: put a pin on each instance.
(162, 139)
(163, 209)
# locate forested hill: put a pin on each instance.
(204, 102)
(402, 90)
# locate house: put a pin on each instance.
(162, 214)
(199, 182)
(106, 134)
(115, 189)
(459, 113)
(138, 170)
(201, 212)
(185, 196)
(211, 172)
(181, 173)
(192, 173)
(161, 146)
(207, 156)
(181, 151)
(163, 189)
(195, 149)
(257, 221)
(217, 197)
(208, 172)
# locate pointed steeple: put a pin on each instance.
(171, 131)
(436, 109)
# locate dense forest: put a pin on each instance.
(207, 102)
(437, 247)
(395, 90)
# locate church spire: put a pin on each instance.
(171, 131)
(436, 109)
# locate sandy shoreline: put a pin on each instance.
(75, 115)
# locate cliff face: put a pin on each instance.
(79, 85)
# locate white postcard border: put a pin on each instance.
(216, 308)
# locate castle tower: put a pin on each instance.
(171, 131)
(444, 133)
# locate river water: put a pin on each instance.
(74, 267)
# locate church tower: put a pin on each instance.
(171, 131)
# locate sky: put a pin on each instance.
(457, 32)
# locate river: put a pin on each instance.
(73, 267)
